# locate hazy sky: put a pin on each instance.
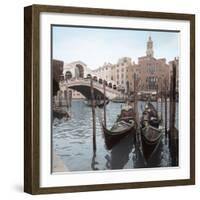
(94, 46)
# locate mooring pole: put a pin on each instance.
(93, 115)
(157, 97)
(104, 101)
(136, 112)
(172, 101)
(174, 131)
(135, 100)
(58, 98)
(166, 110)
(67, 93)
(70, 98)
(161, 103)
(128, 91)
(170, 108)
(174, 96)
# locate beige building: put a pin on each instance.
(122, 71)
(106, 72)
(152, 74)
(77, 69)
(117, 74)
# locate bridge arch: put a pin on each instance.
(85, 91)
(84, 87)
(79, 71)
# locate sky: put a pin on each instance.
(95, 46)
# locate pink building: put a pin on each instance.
(153, 74)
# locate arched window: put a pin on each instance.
(94, 78)
(79, 71)
(68, 75)
(100, 81)
(89, 76)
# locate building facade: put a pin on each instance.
(153, 74)
(117, 74)
(149, 74)
(106, 72)
(57, 70)
(77, 69)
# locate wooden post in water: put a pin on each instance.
(93, 115)
(67, 93)
(172, 100)
(174, 96)
(137, 136)
(104, 101)
(128, 90)
(135, 82)
(166, 109)
(157, 98)
(161, 103)
(173, 131)
(70, 98)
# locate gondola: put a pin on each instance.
(60, 113)
(150, 132)
(119, 100)
(151, 137)
(124, 125)
(97, 103)
(150, 116)
(101, 104)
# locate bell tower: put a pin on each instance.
(149, 51)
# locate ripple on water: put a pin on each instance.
(72, 140)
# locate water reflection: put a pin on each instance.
(72, 142)
(119, 155)
(94, 163)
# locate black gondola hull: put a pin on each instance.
(149, 147)
(112, 139)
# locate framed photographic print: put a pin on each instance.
(109, 99)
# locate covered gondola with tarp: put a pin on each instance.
(150, 116)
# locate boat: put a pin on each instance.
(150, 116)
(99, 103)
(124, 125)
(131, 98)
(150, 132)
(151, 137)
(60, 113)
(147, 95)
(119, 154)
(119, 100)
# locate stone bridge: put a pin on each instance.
(84, 87)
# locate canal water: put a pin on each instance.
(72, 142)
